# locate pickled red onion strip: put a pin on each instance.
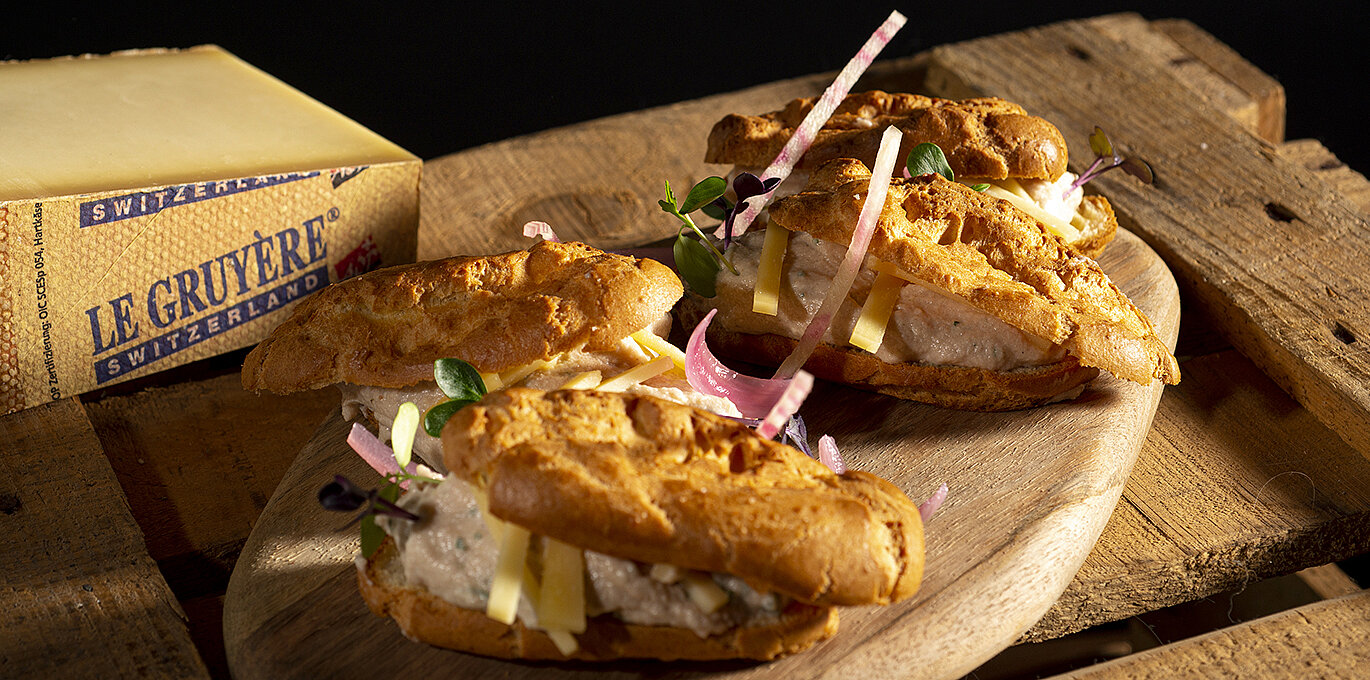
(376, 453)
(535, 228)
(753, 397)
(822, 110)
(789, 402)
(931, 505)
(829, 455)
(856, 254)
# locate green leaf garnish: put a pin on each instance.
(458, 379)
(669, 206)
(704, 193)
(437, 417)
(927, 158)
(979, 187)
(696, 264)
(372, 533)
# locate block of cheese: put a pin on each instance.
(161, 206)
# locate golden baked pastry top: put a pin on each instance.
(387, 327)
(650, 480)
(982, 138)
(993, 256)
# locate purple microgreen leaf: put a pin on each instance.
(718, 209)
(796, 434)
(1140, 169)
(703, 193)
(770, 184)
(385, 504)
(341, 495)
(747, 185)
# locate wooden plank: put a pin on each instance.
(1328, 581)
(1235, 483)
(1207, 68)
(1223, 62)
(1322, 640)
(1185, 430)
(1327, 168)
(198, 461)
(1268, 252)
(80, 597)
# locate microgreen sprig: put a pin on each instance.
(462, 384)
(697, 260)
(1105, 159)
(746, 186)
(928, 158)
(342, 495)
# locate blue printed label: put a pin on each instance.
(204, 328)
(139, 204)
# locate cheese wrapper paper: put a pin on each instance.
(109, 279)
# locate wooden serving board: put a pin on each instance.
(1030, 493)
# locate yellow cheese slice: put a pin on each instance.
(706, 594)
(766, 297)
(158, 117)
(492, 381)
(869, 331)
(565, 642)
(658, 346)
(562, 605)
(518, 373)
(583, 381)
(637, 374)
(508, 578)
(494, 524)
(1053, 223)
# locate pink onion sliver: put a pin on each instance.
(376, 454)
(753, 397)
(931, 505)
(856, 254)
(829, 455)
(787, 405)
(822, 110)
(536, 228)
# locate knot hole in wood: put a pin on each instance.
(1280, 213)
(592, 215)
(1343, 333)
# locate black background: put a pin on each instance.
(443, 77)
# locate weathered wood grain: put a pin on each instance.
(198, 461)
(79, 596)
(1321, 640)
(1329, 581)
(1224, 63)
(1206, 67)
(1272, 255)
(1235, 483)
(1187, 435)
